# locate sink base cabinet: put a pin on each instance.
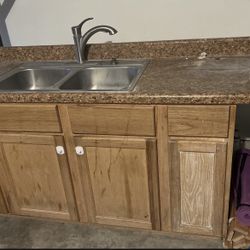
(153, 167)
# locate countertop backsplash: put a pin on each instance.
(157, 49)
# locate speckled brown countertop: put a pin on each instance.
(173, 76)
(165, 81)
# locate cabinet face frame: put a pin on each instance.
(10, 182)
(98, 145)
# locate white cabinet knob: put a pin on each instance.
(60, 150)
(79, 150)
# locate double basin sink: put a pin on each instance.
(110, 75)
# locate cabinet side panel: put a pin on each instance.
(229, 166)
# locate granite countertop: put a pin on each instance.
(224, 80)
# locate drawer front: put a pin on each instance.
(112, 120)
(29, 118)
(210, 121)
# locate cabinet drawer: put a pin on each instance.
(112, 120)
(211, 121)
(29, 118)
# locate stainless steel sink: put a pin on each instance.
(33, 79)
(106, 78)
(105, 75)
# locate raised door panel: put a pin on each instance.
(37, 180)
(122, 172)
(197, 182)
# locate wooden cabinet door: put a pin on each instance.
(35, 180)
(197, 186)
(122, 176)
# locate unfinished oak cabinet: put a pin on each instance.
(35, 179)
(195, 167)
(122, 174)
(160, 167)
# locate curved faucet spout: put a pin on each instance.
(81, 41)
(76, 30)
(102, 28)
(84, 39)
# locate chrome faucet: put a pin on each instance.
(81, 40)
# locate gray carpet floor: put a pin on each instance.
(18, 232)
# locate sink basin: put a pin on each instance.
(32, 79)
(104, 75)
(105, 78)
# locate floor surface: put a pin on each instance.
(16, 232)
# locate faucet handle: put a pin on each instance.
(77, 29)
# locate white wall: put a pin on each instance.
(36, 22)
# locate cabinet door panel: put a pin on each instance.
(197, 180)
(120, 180)
(37, 178)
